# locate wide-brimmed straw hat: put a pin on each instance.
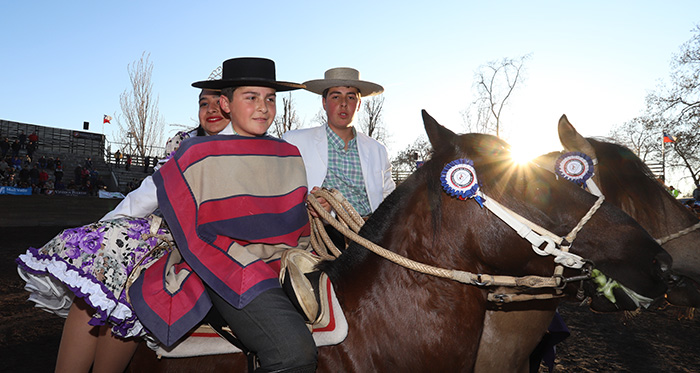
(343, 77)
(248, 71)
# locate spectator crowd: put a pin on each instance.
(21, 169)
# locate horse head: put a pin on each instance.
(613, 241)
(627, 182)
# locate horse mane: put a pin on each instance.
(626, 177)
(617, 152)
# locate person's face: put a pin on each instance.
(252, 110)
(341, 104)
(211, 117)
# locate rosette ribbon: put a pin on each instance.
(574, 166)
(458, 179)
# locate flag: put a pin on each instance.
(107, 119)
(669, 138)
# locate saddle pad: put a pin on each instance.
(204, 341)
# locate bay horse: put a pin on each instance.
(401, 320)
(627, 183)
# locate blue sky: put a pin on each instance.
(62, 63)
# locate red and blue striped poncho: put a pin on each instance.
(233, 205)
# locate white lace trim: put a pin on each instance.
(51, 294)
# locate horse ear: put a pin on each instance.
(438, 135)
(572, 140)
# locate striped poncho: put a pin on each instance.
(233, 205)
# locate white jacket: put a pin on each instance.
(374, 160)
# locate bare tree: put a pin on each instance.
(140, 124)
(476, 118)
(641, 135)
(677, 105)
(371, 120)
(407, 159)
(494, 82)
(681, 99)
(288, 120)
(320, 117)
(686, 154)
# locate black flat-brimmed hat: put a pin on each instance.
(248, 71)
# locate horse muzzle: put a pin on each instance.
(607, 295)
(683, 292)
(662, 266)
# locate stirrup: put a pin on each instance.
(304, 285)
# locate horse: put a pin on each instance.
(401, 320)
(627, 183)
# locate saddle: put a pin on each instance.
(310, 291)
(305, 286)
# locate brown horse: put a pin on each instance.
(401, 320)
(628, 183)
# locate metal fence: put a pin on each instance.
(56, 140)
(137, 160)
(400, 176)
(656, 168)
(62, 141)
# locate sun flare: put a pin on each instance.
(523, 153)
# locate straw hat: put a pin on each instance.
(248, 71)
(343, 77)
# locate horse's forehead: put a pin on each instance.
(474, 145)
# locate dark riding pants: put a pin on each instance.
(273, 329)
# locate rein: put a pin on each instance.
(592, 188)
(348, 224)
(680, 233)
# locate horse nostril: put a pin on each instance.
(674, 279)
(663, 262)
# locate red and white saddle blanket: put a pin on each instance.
(205, 341)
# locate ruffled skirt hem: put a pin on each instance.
(52, 283)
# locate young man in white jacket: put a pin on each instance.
(336, 155)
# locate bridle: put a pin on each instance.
(543, 242)
(592, 188)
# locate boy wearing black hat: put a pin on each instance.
(231, 228)
(233, 205)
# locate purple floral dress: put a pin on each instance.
(92, 262)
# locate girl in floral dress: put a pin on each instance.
(81, 273)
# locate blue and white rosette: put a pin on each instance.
(574, 166)
(458, 178)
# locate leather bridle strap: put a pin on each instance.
(511, 218)
(539, 236)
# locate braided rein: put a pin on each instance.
(348, 222)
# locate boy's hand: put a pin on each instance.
(326, 206)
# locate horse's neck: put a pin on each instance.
(678, 216)
(660, 216)
(680, 240)
(655, 210)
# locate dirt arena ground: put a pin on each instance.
(653, 341)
